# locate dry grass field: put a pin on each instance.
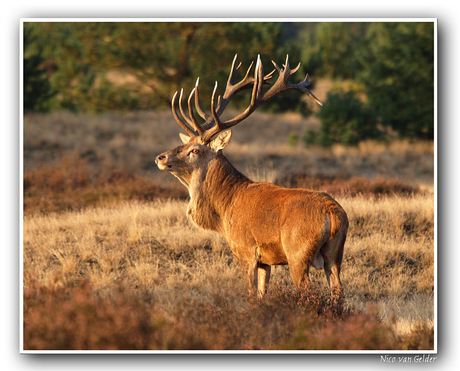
(110, 260)
(259, 147)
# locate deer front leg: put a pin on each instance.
(249, 273)
(263, 277)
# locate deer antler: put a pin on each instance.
(213, 125)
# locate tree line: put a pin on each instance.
(382, 73)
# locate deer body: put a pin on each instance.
(264, 224)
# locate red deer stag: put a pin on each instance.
(264, 224)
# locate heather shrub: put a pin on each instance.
(313, 299)
(356, 332)
(422, 337)
(78, 317)
(71, 184)
(75, 318)
(340, 186)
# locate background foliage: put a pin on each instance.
(382, 73)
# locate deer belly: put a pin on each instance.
(272, 254)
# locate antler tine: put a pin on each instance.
(295, 69)
(178, 119)
(258, 82)
(310, 94)
(248, 71)
(287, 69)
(195, 123)
(181, 109)
(233, 88)
(269, 76)
(233, 71)
(247, 80)
(276, 67)
(202, 114)
(301, 85)
(306, 81)
(217, 128)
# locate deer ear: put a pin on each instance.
(221, 141)
(185, 138)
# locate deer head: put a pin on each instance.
(192, 157)
(206, 140)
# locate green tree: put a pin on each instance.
(344, 119)
(399, 76)
(163, 56)
(391, 63)
(37, 88)
(333, 49)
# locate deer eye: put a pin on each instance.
(194, 151)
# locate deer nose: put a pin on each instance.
(160, 158)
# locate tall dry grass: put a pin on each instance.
(153, 249)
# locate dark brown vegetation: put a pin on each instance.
(74, 317)
(345, 186)
(70, 184)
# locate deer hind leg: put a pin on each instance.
(333, 279)
(263, 277)
(302, 251)
(332, 253)
(299, 268)
(300, 273)
(300, 254)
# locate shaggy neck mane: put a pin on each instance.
(212, 192)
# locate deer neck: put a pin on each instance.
(212, 191)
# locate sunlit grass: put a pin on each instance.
(152, 247)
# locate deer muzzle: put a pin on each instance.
(162, 162)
